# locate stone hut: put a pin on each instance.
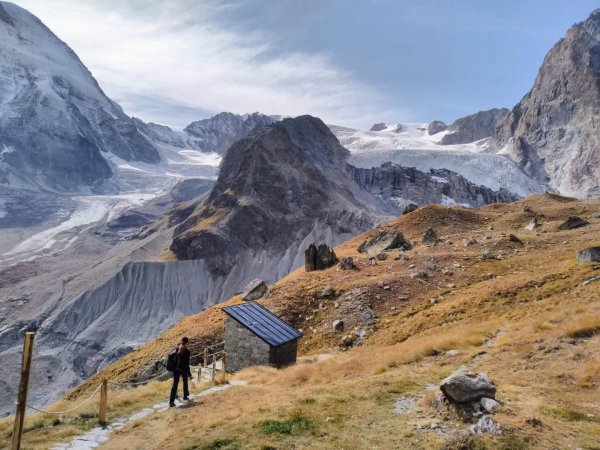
(254, 336)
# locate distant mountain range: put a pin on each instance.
(74, 168)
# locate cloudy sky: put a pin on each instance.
(351, 62)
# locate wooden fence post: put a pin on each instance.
(214, 366)
(103, 402)
(205, 357)
(23, 389)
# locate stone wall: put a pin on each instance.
(243, 347)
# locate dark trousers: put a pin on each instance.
(186, 392)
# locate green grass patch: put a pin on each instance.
(513, 441)
(296, 424)
(218, 444)
(568, 414)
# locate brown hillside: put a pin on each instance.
(530, 319)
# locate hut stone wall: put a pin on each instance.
(243, 347)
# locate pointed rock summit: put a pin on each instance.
(553, 133)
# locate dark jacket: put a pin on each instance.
(183, 365)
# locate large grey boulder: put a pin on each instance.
(254, 290)
(384, 240)
(588, 255)
(463, 387)
(573, 222)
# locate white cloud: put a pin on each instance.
(175, 54)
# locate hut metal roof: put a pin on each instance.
(263, 323)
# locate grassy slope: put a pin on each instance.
(525, 319)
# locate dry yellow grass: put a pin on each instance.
(527, 319)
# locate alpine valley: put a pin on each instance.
(113, 229)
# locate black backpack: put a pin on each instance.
(172, 360)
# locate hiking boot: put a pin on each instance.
(185, 399)
(171, 405)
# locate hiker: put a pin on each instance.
(179, 362)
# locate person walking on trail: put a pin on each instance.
(180, 356)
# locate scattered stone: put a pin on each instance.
(469, 242)
(411, 207)
(450, 285)
(348, 340)
(368, 316)
(534, 422)
(489, 404)
(573, 222)
(588, 255)
(430, 265)
(590, 280)
(412, 266)
(456, 265)
(488, 253)
(338, 325)
(254, 290)
(328, 292)
(382, 256)
(420, 274)
(527, 209)
(515, 239)
(532, 225)
(463, 387)
(452, 353)
(347, 263)
(429, 237)
(595, 215)
(318, 258)
(384, 240)
(336, 305)
(438, 402)
(486, 425)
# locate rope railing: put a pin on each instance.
(103, 387)
(68, 410)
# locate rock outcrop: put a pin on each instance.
(589, 255)
(318, 258)
(384, 240)
(553, 133)
(436, 126)
(255, 290)
(474, 127)
(399, 185)
(573, 222)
